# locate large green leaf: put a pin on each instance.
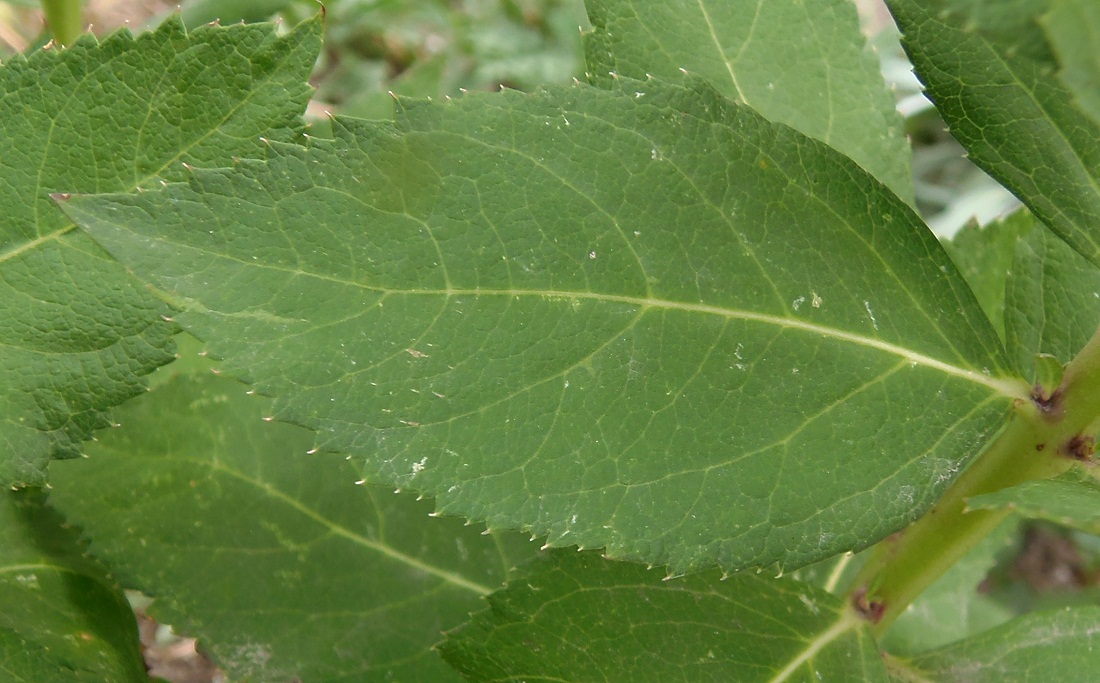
(804, 64)
(273, 558)
(63, 619)
(78, 333)
(989, 70)
(1036, 648)
(661, 324)
(1052, 301)
(577, 617)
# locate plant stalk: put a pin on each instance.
(1043, 439)
(65, 18)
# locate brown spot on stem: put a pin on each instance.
(871, 610)
(1049, 405)
(1079, 447)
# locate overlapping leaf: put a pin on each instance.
(273, 558)
(1072, 500)
(1073, 29)
(576, 617)
(1052, 301)
(644, 319)
(799, 63)
(77, 333)
(1036, 648)
(63, 620)
(992, 75)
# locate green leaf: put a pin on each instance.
(984, 256)
(1072, 500)
(988, 68)
(78, 332)
(273, 558)
(805, 64)
(952, 608)
(1036, 648)
(577, 617)
(1073, 29)
(618, 321)
(1052, 302)
(63, 619)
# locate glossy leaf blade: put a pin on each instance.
(274, 559)
(825, 83)
(989, 70)
(578, 617)
(618, 321)
(1036, 648)
(63, 619)
(78, 332)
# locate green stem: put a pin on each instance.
(1043, 439)
(66, 19)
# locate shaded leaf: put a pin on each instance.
(619, 321)
(274, 559)
(989, 70)
(1052, 302)
(78, 332)
(1072, 500)
(825, 83)
(1073, 29)
(1035, 648)
(577, 617)
(63, 619)
(984, 256)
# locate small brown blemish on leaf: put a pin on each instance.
(416, 354)
(1040, 446)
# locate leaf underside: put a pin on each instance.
(63, 619)
(644, 319)
(825, 84)
(576, 617)
(274, 559)
(78, 332)
(993, 76)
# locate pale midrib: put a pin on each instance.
(449, 577)
(1008, 387)
(27, 246)
(842, 626)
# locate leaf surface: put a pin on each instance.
(63, 619)
(78, 333)
(1073, 29)
(618, 321)
(1072, 500)
(805, 64)
(1052, 301)
(1035, 648)
(577, 617)
(991, 73)
(273, 558)
(984, 255)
